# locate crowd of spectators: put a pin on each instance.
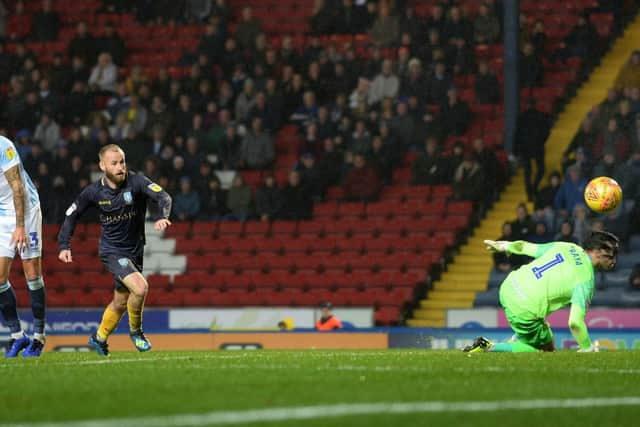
(607, 144)
(356, 114)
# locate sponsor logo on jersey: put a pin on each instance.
(128, 197)
(104, 202)
(11, 153)
(123, 262)
(154, 187)
(71, 209)
(111, 219)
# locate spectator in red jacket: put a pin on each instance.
(362, 182)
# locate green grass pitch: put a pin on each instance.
(354, 388)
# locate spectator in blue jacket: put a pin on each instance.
(571, 190)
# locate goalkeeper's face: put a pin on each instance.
(114, 166)
(606, 259)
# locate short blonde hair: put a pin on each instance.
(109, 147)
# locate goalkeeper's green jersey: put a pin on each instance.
(561, 273)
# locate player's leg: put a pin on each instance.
(533, 335)
(9, 307)
(138, 288)
(110, 319)
(33, 274)
(530, 333)
(32, 266)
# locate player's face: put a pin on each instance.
(114, 166)
(606, 259)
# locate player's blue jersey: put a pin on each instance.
(122, 213)
(8, 159)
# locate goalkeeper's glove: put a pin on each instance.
(497, 246)
(594, 348)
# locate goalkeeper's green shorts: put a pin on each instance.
(535, 332)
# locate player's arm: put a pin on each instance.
(72, 215)
(519, 247)
(14, 178)
(161, 197)
(579, 302)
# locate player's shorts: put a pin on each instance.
(535, 332)
(33, 228)
(121, 266)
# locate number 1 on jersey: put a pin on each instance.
(537, 271)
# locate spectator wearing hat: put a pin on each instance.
(327, 321)
(23, 143)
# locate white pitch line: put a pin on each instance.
(339, 410)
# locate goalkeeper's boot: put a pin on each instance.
(480, 344)
(16, 345)
(34, 349)
(100, 346)
(140, 341)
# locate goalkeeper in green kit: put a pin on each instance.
(561, 274)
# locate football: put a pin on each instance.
(603, 194)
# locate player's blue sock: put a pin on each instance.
(38, 304)
(512, 347)
(9, 307)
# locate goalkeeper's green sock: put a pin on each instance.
(512, 347)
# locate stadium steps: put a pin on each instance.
(592, 92)
(468, 273)
(472, 261)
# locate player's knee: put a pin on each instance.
(119, 306)
(32, 270)
(140, 288)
